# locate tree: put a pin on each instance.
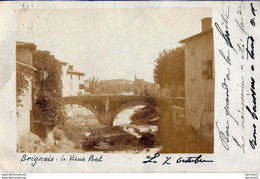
(24, 75)
(93, 84)
(48, 88)
(169, 68)
(144, 88)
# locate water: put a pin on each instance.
(123, 118)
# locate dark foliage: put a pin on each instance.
(148, 140)
(24, 74)
(144, 116)
(169, 68)
(48, 88)
(144, 88)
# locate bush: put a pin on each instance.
(143, 116)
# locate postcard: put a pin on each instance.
(152, 86)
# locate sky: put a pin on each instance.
(110, 43)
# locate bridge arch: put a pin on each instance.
(89, 107)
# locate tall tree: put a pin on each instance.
(169, 68)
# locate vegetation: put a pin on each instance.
(48, 88)
(116, 86)
(144, 88)
(169, 68)
(23, 75)
(120, 86)
(145, 116)
(93, 85)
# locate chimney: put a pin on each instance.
(70, 67)
(206, 24)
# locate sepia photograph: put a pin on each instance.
(129, 87)
(115, 80)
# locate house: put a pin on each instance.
(200, 77)
(72, 81)
(24, 68)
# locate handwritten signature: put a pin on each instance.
(195, 160)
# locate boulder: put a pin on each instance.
(30, 143)
(57, 133)
(49, 140)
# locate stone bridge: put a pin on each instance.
(107, 107)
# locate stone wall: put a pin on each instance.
(24, 55)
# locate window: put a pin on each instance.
(79, 77)
(70, 76)
(204, 70)
(207, 72)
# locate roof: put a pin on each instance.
(26, 65)
(62, 62)
(20, 44)
(196, 36)
(75, 72)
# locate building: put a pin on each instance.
(24, 102)
(200, 78)
(72, 81)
